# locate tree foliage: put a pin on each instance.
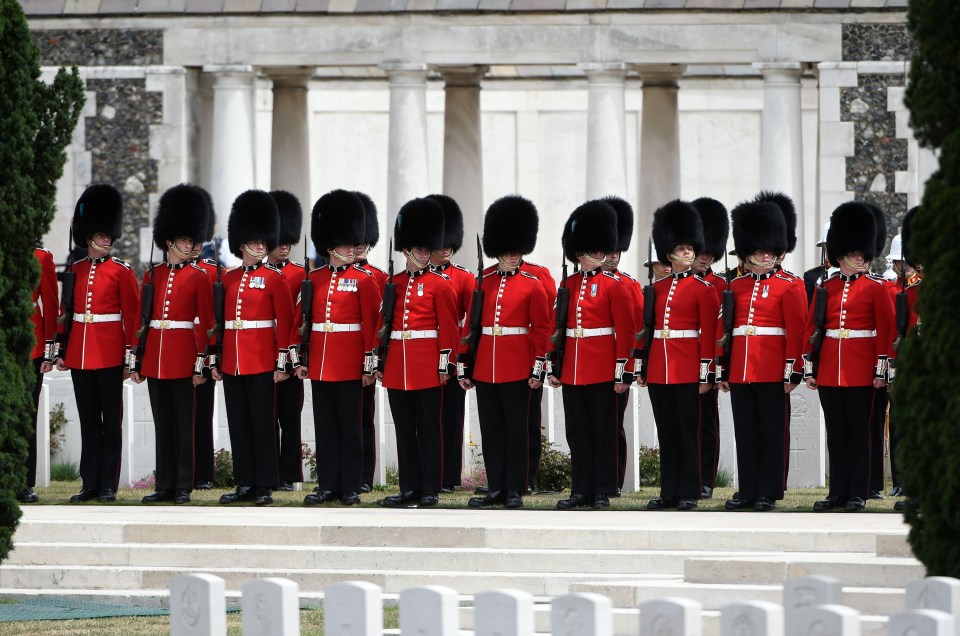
(36, 121)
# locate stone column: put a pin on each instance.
(606, 130)
(407, 168)
(659, 180)
(290, 145)
(463, 148)
(781, 146)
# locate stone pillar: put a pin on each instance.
(606, 130)
(463, 147)
(781, 145)
(659, 180)
(407, 169)
(290, 146)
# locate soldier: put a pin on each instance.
(174, 349)
(289, 392)
(680, 365)
(258, 320)
(463, 283)
(765, 355)
(598, 341)
(339, 357)
(511, 351)
(423, 339)
(716, 228)
(95, 347)
(878, 412)
(857, 332)
(369, 391)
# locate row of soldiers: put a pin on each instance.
(435, 330)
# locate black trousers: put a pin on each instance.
(336, 418)
(204, 396)
(252, 423)
(709, 437)
(622, 400)
(878, 422)
(894, 440)
(453, 404)
(759, 424)
(590, 413)
(172, 402)
(786, 438)
(534, 436)
(99, 394)
(676, 410)
(368, 401)
(503, 409)
(32, 433)
(847, 413)
(416, 416)
(288, 408)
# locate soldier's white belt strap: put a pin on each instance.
(497, 330)
(751, 330)
(580, 332)
(334, 327)
(250, 324)
(97, 317)
(672, 334)
(171, 324)
(408, 334)
(850, 333)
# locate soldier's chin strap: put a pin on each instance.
(769, 263)
(362, 254)
(505, 266)
(854, 266)
(346, 259)
(590, 259)
(98, 247)
(412, 258)
(681, 259)
(176, 250)
(256, 255)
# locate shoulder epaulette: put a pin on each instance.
(627, 276)
(529, 275)
(440, 274)
(787, 273)
(876, 279)
(374, 267)
(272, 267)
(702, 280)
(460, 267)
(198, 268)
(361, 269)
(119, 261)
(611, 275)
(532, 264)
(210, 261)
(491, 272)
(789, 279)
(489, 269)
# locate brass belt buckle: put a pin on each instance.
(328, 327)
(578, 332)
(750, 330)
(497, 330)
(665, 334)
(164, 324)
(238, 324)
(406, 335)
(844, 333)
(88, 317)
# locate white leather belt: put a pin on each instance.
(850, 333)
(497, 330)
(671, 334)
(579, 332)
(171, 324)
(751, 330)
(97, 317)
(334, 327)
(408, 334)
(250, 324)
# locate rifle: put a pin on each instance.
(146, 313)
(389, 300)
(472, 339)
(819, 314)
(69, 279)
(726, 342)
(903, 309)
(218, 309)
(649, 315)
(306, 310)
(559, 337)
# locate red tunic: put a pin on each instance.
(511, 300)
(45, 306)
(686, 304)
(893, 287)
(546, 281)
(294, 274)
(256, 294)
(719, 283)
(105, 313)
(636, 296)
(426, 302)
(346, 302)
(463, 283)
(181, 316)
(378, 274)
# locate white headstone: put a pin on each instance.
(503, 613)
(271, 607)
(921, 622)
(354, 608)
(431, 610)
(825, 620)
(581, 615)
(934, 592)
(666, 616)
(198, 605)
(752, 618)
(807, 591)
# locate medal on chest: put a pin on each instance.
(419, 289)
(765, 292)
(347, 284)
(593, 290)
(258, 282)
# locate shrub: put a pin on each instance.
(147, 483)
(64, 471)
(476, 478)
(649, 466)
(223, 469)
(58, 420)
(393, 475)
(555, 472)
(724, 477)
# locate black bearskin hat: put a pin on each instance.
(906, 232)
(254, 216)
(338, 219)
(881, 221)
(676, 223)
(182, 211)
(624, 221)
(291, 217)
(758, 226)
(419, 224)
(211, 218)
(716, 226)
(372, 224)
(99, 209)
(789, 211)
(591, 228)
(853, 228)
(510, 225)
(452, 221)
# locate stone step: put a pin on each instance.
(859, 570)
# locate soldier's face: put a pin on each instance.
(281, 252)
(611, 261)
(511, 261)
(853, 263)
(762, 262)
(360, 251)
(101, 240)
(420, 256)
(661, 271)
(439, 257)
(703, 262)
(255, 249)
(682, 257)
(184, 247)
(343, 253)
